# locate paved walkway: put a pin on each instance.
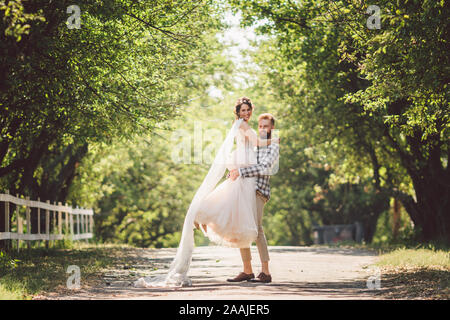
(297, 272)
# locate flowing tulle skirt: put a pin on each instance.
(229, 212)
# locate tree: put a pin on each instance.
(128, 68)
(131, 66)
(377, 97)
(141, 189)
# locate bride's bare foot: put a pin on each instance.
(196, 226)
(205, 227)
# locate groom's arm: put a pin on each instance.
(265, 163)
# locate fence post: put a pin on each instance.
(66, 215)
(55, 227)
(47, 225)
(39, 217)
(71, 226)
(27, 210)
(7, 228)
(54, 224)
(18, 223)
(87, 227)
(39, 222)
(59, 219)
(86, 230)
(78, 223)
(81, 224)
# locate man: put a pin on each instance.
(266, 157)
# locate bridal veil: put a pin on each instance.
(177, 274)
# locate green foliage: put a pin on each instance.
(6, 294)
(372, 103)
(310, 187)
(16, 19)
(128, 68)
(384, 230)
(40, 270)
(140, 190)
(6, 262)
(416, 258)
(363, 114)
(304, 195)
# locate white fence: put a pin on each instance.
(59, 220)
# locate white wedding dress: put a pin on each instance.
(228, 210)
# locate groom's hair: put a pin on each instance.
(267, 116)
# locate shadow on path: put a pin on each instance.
(344, 289)
(324, 250)
(298, 273)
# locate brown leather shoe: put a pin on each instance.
(242, 277)
(262, 277)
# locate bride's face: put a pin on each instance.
(245, 112)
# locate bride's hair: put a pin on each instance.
(240, 102)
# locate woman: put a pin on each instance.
(227, 212)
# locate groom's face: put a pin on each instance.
(265, 128)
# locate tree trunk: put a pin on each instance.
(380, 203)
(430, 213)
(395, 218)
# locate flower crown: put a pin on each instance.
(244, 101)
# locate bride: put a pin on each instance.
(226, 213)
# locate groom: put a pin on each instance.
(266, 157)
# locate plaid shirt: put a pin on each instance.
(266, 157)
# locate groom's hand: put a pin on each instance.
(234, 174)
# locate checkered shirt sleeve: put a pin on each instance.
(262, 168)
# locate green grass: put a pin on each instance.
(409, 270)
(38, 271)
(415, 273)
(416, 258)
(8, 294)
(385, 247)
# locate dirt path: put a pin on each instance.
(297, 272)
